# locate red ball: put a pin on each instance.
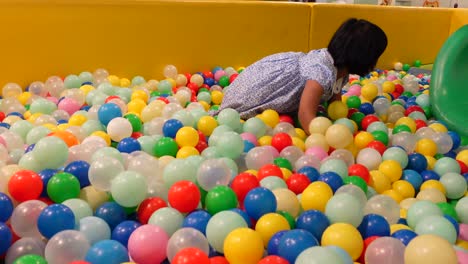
(2, 116)
(201, 136)
(193, 86)
(136, 135)
(369, 119)
(188, 76)
(399, 88)
(297, 182)
(395, 94)
(208, 74)
(201, 145)
(25, 185)
(351, 111)
(420, 123)
(281, 140)
(218, 260)
(286, 119)
(205, 86)
(112, 97)
(190, 255)
(269, 170)
(233, 77)
(272, 259)
(360, 171)
(377, 145)
(412, 109)
(148, 207)
(184, 196)
(242, 184)
(164, 99)
(463, 167)
(193, 98)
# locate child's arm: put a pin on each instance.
(310, 100)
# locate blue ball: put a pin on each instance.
(107, 112)
(311, 173)
(79, 169)
(197, 219)
(215, 69)
(55, 218)
(5, 125)
(122, 231)
(30, 148)
(85, 108)
(413, 177)
(366, 108)
(451, 154)
(6, 238)
(16, 114)
(259, 201)
(112, 213)
(128, 145)
(273, 243)
(404, 235)
(107, 252)
(402, 221)
(45, 177)
(455, 139)
(430, 175)
(248, 146)
(293, 242)
(171, 127)
(454, 223)
(416, 162)
(244, 215)
(313, 221)
(466, 176)
(209, 81)
(332, 179)
(374, 225)
(6, 207)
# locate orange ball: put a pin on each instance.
(66, 136)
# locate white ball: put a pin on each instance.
(119, 128)
(370, 158)
(398, 66)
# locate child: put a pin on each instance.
(295, 82)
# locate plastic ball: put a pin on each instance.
(420, 210)
(385, 206)
(54, 219)
(385, 250)
(147, 244)
(429, 249)
(184, 196)
(25, 185)
(294, 242)
(128, 188)
(243, 245)
(345, 236)
(344, 208)
(260, 201)
(186, 238)
(392, 169)
(337, 110)
(66, 246)
(338, 136)
(316, 196)
(63, 186)
(319, 125)
(221, 225)
(220, 198)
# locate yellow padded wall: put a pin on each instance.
(43, 38)
(459, 18)
(413, 33)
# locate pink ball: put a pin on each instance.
(69, 105)
(354, 90)
(2, 141)
(463, 232)
(52, 99)
(391, 78)
(462, 257)
(317, 152)
(147, 244)
(250, 137)
(219, 74)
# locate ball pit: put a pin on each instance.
(96, 168)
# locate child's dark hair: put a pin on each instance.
(357, 46)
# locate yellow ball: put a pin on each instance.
(316, 196)
(463, 156)
(396, 196)
(86, 89)
(431, 194)
(338, 136)
(217, 97)
(253, 172)
(362, 139)
(51, 127)
(77, 120)
(63, 127)
(319, 125)
(181, 80)
(270, 117)
(298, 143)
(433, 184)
(369, 91)
(287, 201)
(392, 169)
(197, 79)
(24, 97)
(426, 147)
(243, 246)
(265, 141)
(379, 181)
(32, 118)
(388, 87)
(286, 173)
(431, 161)
(404, 188)
(27, 115)
(407, 121)
(337, 110)
(345, 236)
(462, 243)
(172, 82)
(403, 213)
(205, 105)
(124, 82)
(317, 140)
(430, 249)
(187, 151)
(206, 124)
(438, 127)
(102, 135)
(140, 94)
(269, 224)
(93, 196)
(136, 106)
(114, 80)
(396, 227)
(187, 136)
(300, 133)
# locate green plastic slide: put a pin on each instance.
(449, 82)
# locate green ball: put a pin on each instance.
(72, 81)
(380, 136)
(63, 186)
(353, 101)
(155, 94)
(135, 121)
(283, 163)
(462, 209)
(51, 152)
(407, 94)
(445, 165)
(289, 218)
(203, 89)
(220, 198)
(427, 111)
(406, 67)
(273, 183)
(417, 63)
(214, 107)
(138, 80)
(401, 128)
(448, 209)
(255, 126)
(437, 225)
(455, 185)
(464, 141)
(344, 208)
(30, 259)
(421, 210)
(129, 188)
(164, 87)
(357, 117)
(166, 146)
(358, 181)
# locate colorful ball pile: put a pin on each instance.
(96, 168)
